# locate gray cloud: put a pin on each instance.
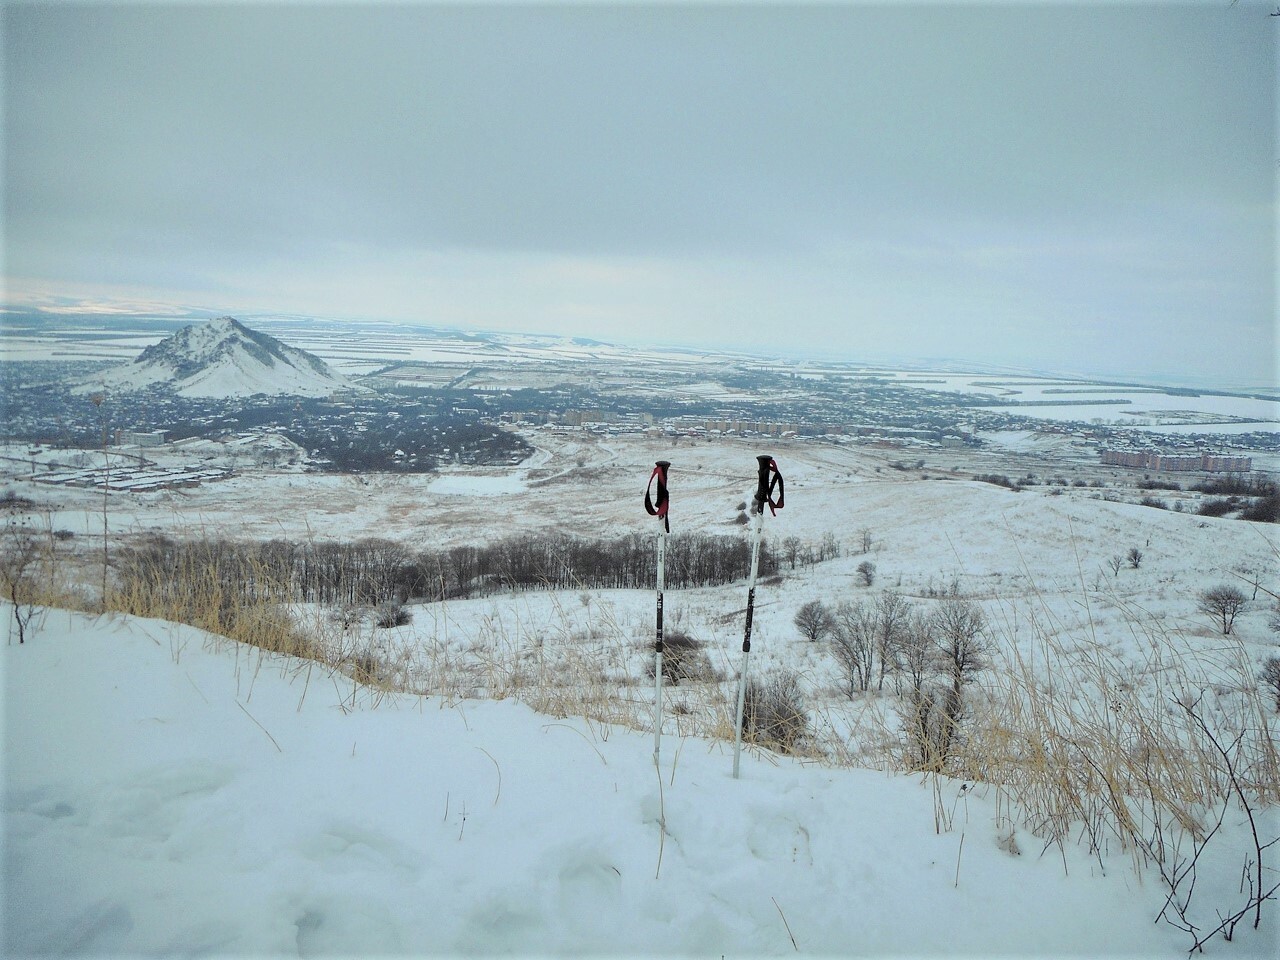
(1028, 167)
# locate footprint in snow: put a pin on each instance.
(343, 847)
(776, 837)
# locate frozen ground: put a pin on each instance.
(169, 794)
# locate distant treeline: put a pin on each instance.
(373, 571)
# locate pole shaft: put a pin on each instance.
(657, 647)
(746, 634)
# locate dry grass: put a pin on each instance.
(201, 584)
(1083, 738)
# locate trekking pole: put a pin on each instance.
(764, 495)
(659, 506)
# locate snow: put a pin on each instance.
(477, 486)
(172, 793)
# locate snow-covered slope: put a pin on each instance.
(166, 793)
(222, 358)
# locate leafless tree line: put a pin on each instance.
(375, 570)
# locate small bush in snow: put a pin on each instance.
(775, 714)
(814, 620)
(867, 571)
(393, 615)
(1222, 604)
(1218, 507)
(683, 658)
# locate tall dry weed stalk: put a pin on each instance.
(1082, 740)
(1147, 759)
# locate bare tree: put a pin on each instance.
(959, 626)
(916, 649)
(1134, 557)
(864, 539)
(867, 571)
(791, 550)
(1222, 603)
(892, 613)
(853, 643)
(1115, 563)
(935, 716)
(814, 620)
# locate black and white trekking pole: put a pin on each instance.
(658, 504)
(768, 478)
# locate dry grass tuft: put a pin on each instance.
(207, 586)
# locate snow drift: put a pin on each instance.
(169, 792)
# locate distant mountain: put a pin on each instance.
(222, 358)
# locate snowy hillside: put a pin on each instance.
(171, 793)
(222, 358)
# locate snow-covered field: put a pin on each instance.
(168, 794)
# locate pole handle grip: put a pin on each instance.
(659, 504)
(768, 479)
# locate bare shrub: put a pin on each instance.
(1152, 773)
(867, 572)
(393, 614)
(775, 714)
(1222, 603)
(367, 668)
(684, 657)
(20, 554)
(814, 620)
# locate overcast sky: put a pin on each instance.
(1071, 188)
